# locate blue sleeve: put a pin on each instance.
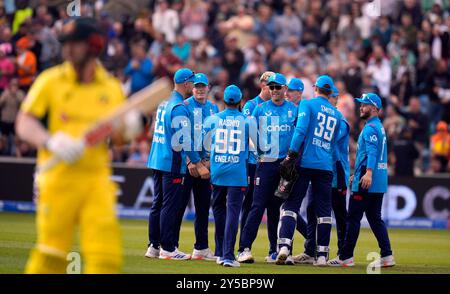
(254, 123)
(336, 140)
(303, 118)
(182, 126)
(371, 139)
(209, 126)
(246, 111)
(146, 67)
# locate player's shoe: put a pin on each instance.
(246, 256)
(303, 259)
(387, 261)
(174, 255)
(204, 254)
(272, 258)
(231, 263)
(152, 252)
(349, 262)
(289, 260)
(219, 261)
(281, 256)
(321, 261)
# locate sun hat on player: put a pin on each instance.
(295, 84)
(232, 94)
(201, 78)
(278, 79)
(184, 75)
(371, 99)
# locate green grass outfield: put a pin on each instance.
(416, 251)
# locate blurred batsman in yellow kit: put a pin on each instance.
(62, 103)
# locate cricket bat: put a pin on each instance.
(145, 101)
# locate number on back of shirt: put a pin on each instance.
(228, 141)
(326, 126)
(159, 121)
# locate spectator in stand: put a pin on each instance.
(10, 101)
(438, 84)
(353, 74)
(51, 48)
(193, 19)
(167, 63)
(440, 146)
(405, 153)
(403, 89)
(233, 59)
(140, 68)
(286, 25)
(380, 69)
(166, 21)
(7, 69)
(181, 48)
(265, 26)
(26, 63)
(138, 153)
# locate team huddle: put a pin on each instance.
(276, 152)
(268, 156)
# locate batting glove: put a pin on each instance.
(65, 147)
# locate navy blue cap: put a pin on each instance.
(277, 78)
(201, 78)
(79, 29)
(184, 75)
(371, 99)
(325, 82)
(335, 92)
(296, 85)
(232, 94)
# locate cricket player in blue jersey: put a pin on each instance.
(341, 175)
(294, 95)
(171, 144)
(229, 148)
(263, 96)
(315, 135)
(368, 185)
(275, 120)
(199, 108)
(295, 91)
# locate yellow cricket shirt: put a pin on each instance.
(68, 106)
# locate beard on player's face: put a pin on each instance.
(364, 111)
(188, 87)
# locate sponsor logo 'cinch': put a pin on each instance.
(279, 128)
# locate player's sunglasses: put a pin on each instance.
(275, 87)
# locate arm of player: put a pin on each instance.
(30, 129)
(287, 166)
(371, 139)
(301, 128)
(184, 142)
(257, 120)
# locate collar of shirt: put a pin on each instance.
(373, 119)
(198, 103)
(177, 96)
(233, 110)
(324, 99)
(71, 75)
(276, 105)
